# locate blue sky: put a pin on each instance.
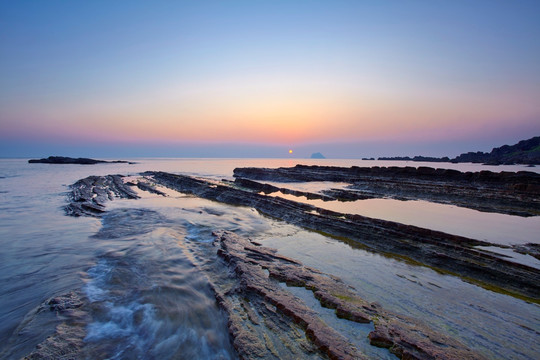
(212, 78)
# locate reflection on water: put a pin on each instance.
(357, 333)
(146, 268)
(498, 326)
(495, 228)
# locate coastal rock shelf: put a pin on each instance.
(450, 253)
(505, 192)
(282, 306)
(89, 195)
(259, 270)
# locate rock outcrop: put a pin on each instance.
(317, 155)
(450, 253)
(416, 158)
(524, 152)
(69, 160)
(259, 270)
(89, 195)
(515, 193)
(67, 341)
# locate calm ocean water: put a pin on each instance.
(145, 267)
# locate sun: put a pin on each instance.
(290, 151)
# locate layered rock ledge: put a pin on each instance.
(259, 270)
(89, 195)
(445, 252)
(514, 193)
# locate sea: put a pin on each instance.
(146, 267)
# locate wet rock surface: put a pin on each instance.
(89, 195)
(269, 189)
(528, 249)
(144, 185)
(68, 339)
(265, 320)
(259, 270)
(505, 192)
(450, 253)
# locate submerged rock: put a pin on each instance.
(67, 341)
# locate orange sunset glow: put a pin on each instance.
(321, 77)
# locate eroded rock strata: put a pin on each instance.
(259, 270)
(266, 320)
(515, 193)
(455, 254)
(89, 195)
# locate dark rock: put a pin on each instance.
(146, 186)
(270, 189)
(524, 152)
(528, 249)
(89, 195)
(417, 158)
(515, 193)
(67, 342)
(395, 158)
(69, 160)
(418, 244)
(65, 302)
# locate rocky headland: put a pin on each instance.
(524, 152)
(78, 161)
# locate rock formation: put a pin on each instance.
(504, 192)
(259, 270)
(524, 152)
(317, 155)
(69, 160)
(89, 195)
(450, 253)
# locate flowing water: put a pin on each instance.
(147, 267)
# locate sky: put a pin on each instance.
(349, 79)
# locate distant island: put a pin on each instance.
(69, 160)
(317, 155)
(525, 152)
